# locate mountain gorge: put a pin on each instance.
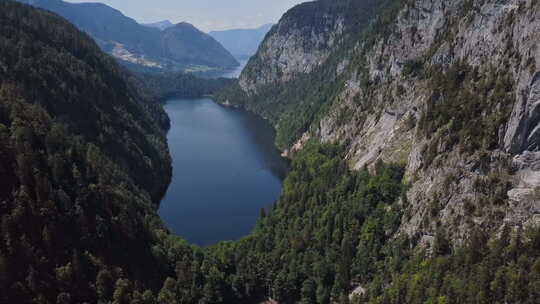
(177, 48)
(412, 128)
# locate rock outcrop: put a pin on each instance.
(453, 92)
(302, 40)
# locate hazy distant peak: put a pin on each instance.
(242, 43)
(264, 27)
(184, 24)
(161, 25)
(156, 46)
(185, 27)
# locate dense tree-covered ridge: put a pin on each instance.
(333, 231)
(164, 85)
(330, 228)
(89, 95)
(504, 270)
(83, 164)
(185, 43)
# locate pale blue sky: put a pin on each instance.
(205, 14)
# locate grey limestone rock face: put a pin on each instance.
(488, 36)
(524, 127)
(458, 189)
(290, 50)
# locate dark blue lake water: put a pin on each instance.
(225, 169)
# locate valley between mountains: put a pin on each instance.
(411, 128)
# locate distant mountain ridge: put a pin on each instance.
(242, 43)
(161, 25)
(185, 42)
(143, 47)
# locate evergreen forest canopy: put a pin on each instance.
(160, 86)
(84, 163)
(187, 56)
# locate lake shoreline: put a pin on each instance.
(225, 169)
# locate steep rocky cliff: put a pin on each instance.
(451, 89)
(303, 39)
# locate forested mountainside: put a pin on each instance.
(83, 163)
(449, 91)
(160, 86)
(412, 176)
(184, 42)
(178, 48)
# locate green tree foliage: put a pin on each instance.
(460, 91)
(296, 105)
(498, 271)
(166, 85)
(83, 165)
(306, 247)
